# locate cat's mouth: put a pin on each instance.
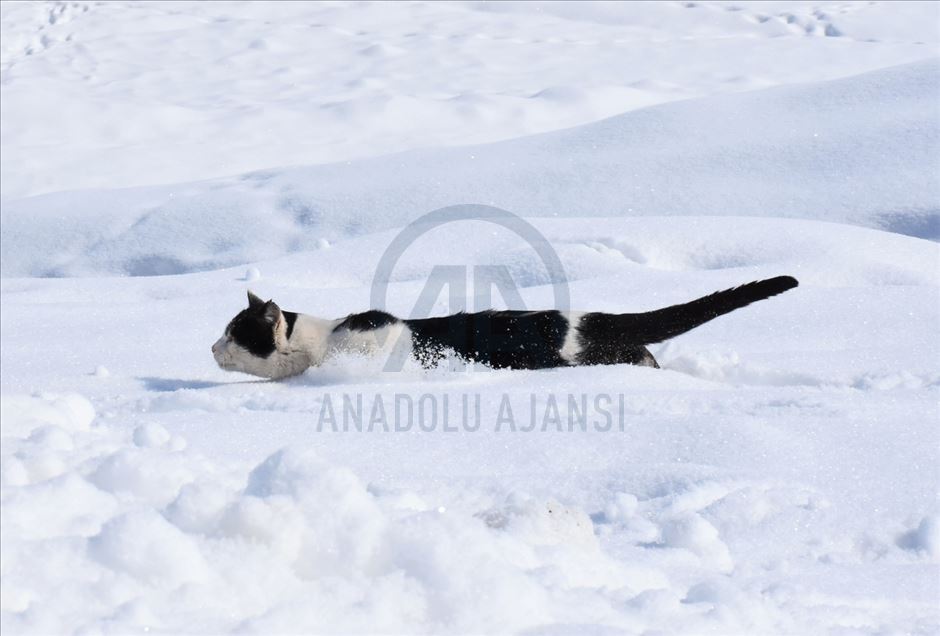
(225, 365)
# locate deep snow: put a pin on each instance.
(167, 93)
(778, 475)
(825, 151)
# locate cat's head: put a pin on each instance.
(255, 341)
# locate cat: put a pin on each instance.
(265, 341)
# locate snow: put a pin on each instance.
(243, 87)
(777, 475)
(823, 151)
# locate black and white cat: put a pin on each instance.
(265, 341)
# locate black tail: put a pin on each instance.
(662, 324)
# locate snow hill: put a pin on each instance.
(779, 474)
(247, 86)
(825, 151)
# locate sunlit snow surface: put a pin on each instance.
(117, 94)
(778, 475)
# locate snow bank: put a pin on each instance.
(755, 481)
(777, 475)
(242, 87)
(822, 151)
(288, 546)
(300, 544)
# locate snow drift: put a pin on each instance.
(777, 475)
(249, 86)
(827, 150)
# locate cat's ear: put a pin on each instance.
(253, 301)
(271, 312)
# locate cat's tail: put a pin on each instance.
(655, 326)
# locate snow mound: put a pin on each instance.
(925, 538)
(146, 547)
(287, 546)
(819, 151)
(694, 533)
(742, 488)
(300, 543)
(243, 87)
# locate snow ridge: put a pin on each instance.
(824, 151)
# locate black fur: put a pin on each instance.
(290, 317)
(616, 338)
(252, 329)
(515, 339)
(367, 321)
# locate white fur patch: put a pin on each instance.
(391, 340)
(572, 344)
(308, 346)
